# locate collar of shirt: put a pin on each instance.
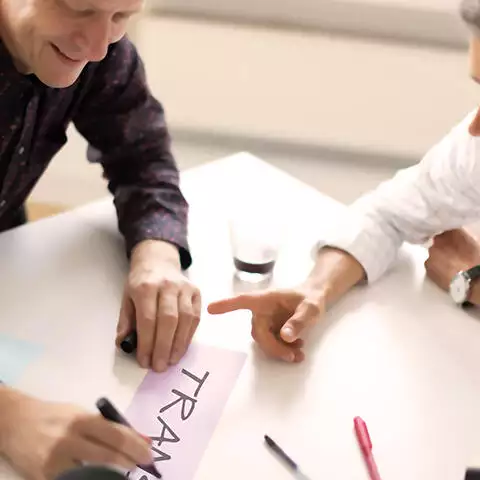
(8, 70)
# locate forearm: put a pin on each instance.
(127, 133)
(335, 272)
(438, 194)
(7, 398)
(147, 214)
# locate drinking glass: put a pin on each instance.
(255, 236)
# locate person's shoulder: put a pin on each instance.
(121, 58)
(123, 51)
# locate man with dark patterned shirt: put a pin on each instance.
(65, 61)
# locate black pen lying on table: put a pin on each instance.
(109, 412)
(283, 456)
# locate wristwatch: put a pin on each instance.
(461, 285)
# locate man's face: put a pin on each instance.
(55, 39)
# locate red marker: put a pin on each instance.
(365, 444)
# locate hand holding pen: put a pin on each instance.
(109, 412)
(46, 438)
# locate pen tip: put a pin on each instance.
(152, 470)
(268, 439)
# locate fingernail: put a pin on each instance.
(288, 332)
(145, 362)
(147, 457)
(174, 359)
(160, 366)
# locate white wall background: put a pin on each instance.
(330, 95)
(434, 21)
(310, 89)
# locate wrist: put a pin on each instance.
(334, 273)
(158, 250)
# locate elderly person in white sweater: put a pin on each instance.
(434, 199)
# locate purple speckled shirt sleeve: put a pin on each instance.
(127, 133)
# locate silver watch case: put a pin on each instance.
(460, 287)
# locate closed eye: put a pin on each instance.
(118, 17)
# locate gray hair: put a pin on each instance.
(470, 13)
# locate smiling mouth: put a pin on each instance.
(61, 54)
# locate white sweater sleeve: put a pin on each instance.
(440, 193)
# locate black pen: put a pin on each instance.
(129, 343)
(109, 412)
(283, 456)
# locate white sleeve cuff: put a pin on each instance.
(364, 241)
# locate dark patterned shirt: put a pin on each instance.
(111, 106)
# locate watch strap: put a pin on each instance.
(474, 272)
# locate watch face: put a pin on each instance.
(459, 288)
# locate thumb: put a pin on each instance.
(305, 315)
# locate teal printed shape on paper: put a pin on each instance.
(15, 356)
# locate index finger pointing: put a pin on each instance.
(239, 302)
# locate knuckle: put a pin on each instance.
(197, 308)
(187, 318)
(119, 440)
(312, 306)
(195, 291)
(169, 318)
(142, 287)
(168, 285)
(149, 319)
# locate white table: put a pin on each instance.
(398, 353)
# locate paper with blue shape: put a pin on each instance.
(15, 356)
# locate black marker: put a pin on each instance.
(281, 454)
(129, 343)
(109, 412)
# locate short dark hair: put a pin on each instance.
(470, 13)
